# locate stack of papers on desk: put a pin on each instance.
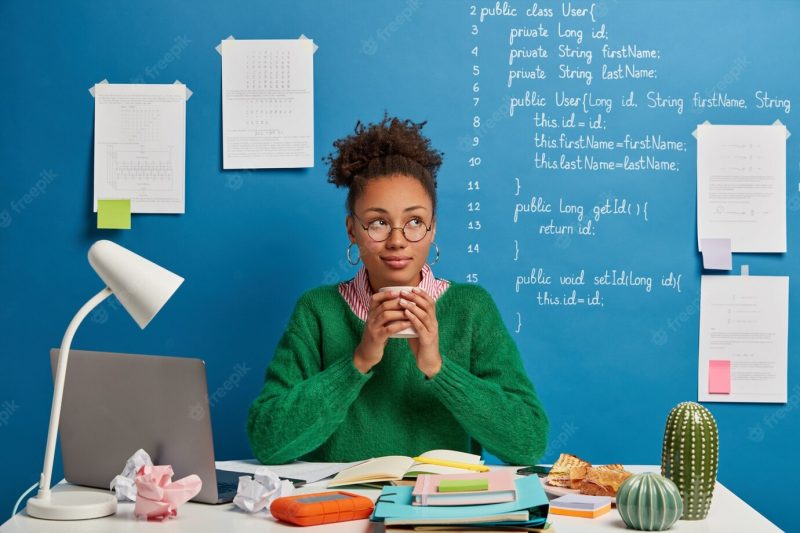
(394, 508)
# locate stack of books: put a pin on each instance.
(486, 499)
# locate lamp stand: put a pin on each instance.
(73, 504)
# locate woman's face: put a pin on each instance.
(392, 201)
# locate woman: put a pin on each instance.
(339, 388)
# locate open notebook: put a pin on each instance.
(396, 467)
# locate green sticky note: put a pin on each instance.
(114, 214)
(463, 485)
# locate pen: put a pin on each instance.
(454, 464)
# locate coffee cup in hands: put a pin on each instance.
(409, 332)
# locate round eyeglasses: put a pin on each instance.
(379, 229)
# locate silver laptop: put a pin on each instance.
(116, 403)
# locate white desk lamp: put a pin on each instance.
(142, 287)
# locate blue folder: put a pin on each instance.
(395, 502)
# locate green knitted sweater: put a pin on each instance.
(317, 406)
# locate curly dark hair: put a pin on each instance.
(389, 147)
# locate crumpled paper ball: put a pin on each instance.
(158, 497)
(255, 494)
(123, 485)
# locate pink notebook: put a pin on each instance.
(501, 489)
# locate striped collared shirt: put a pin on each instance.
(358, 293)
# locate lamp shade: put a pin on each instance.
(141, 286)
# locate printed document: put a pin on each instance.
(267, 103)
(744, 324)
(140, 145)
(741, 186)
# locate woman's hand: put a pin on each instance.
(420, 310)
(385, 318)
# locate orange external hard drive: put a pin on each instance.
(321, 508)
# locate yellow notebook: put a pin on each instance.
(396, 467)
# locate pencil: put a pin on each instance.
(454, 464)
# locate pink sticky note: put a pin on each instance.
(719, 376)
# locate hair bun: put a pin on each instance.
(365, 152)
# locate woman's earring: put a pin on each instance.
(436, 259)
(350, 259)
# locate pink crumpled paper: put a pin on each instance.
(158, 497)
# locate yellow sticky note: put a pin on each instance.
(114, 214)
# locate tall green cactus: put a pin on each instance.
(690, 456)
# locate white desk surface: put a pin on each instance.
(729, 514)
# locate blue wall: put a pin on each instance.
(252, 241)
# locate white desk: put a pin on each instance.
(729, 514)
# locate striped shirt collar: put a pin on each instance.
(357, 292)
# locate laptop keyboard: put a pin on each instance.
(227, 485)
(224, 486)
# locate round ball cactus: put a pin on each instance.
(649, 502)
(690, 456)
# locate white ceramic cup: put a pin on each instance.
(409, 332)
